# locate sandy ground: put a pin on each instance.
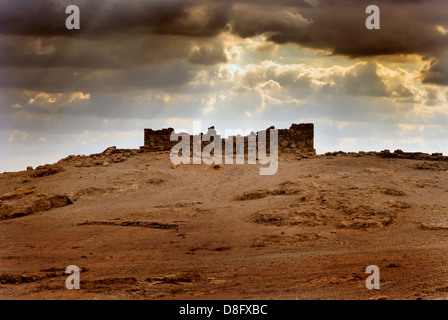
(141, 229)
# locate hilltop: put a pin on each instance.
(140, 227)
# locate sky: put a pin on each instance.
(234, 64)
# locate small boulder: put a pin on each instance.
(46, 170)
(41, 203)
(14, 209)
(58, 200)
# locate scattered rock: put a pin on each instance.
(41, 203)
(109, 151)
(112, 281)
(18, 194)
(291, 216)
(184, 204)
(156, 181)
(92, 192)
(254, 194)
(46, 170)
(432, 166)
(392, 192)
(365, 217)
(16, 205)
(398, 204)
(186, 277)
(58, 200)
(143, 224)
(286, 188)
(15, 209)
(356, 223)
(47, 274)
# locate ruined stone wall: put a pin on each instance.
(158, 140)
(299, 138)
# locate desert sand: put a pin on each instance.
(140, 228)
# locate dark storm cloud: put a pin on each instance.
(157, 30)
(252, 20)
(70, 80)
(47, 17)
(407, 26)
(340, 28)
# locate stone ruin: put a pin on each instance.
(298, 139)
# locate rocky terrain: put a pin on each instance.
(139, 227)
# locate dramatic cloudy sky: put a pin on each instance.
(229, 63)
